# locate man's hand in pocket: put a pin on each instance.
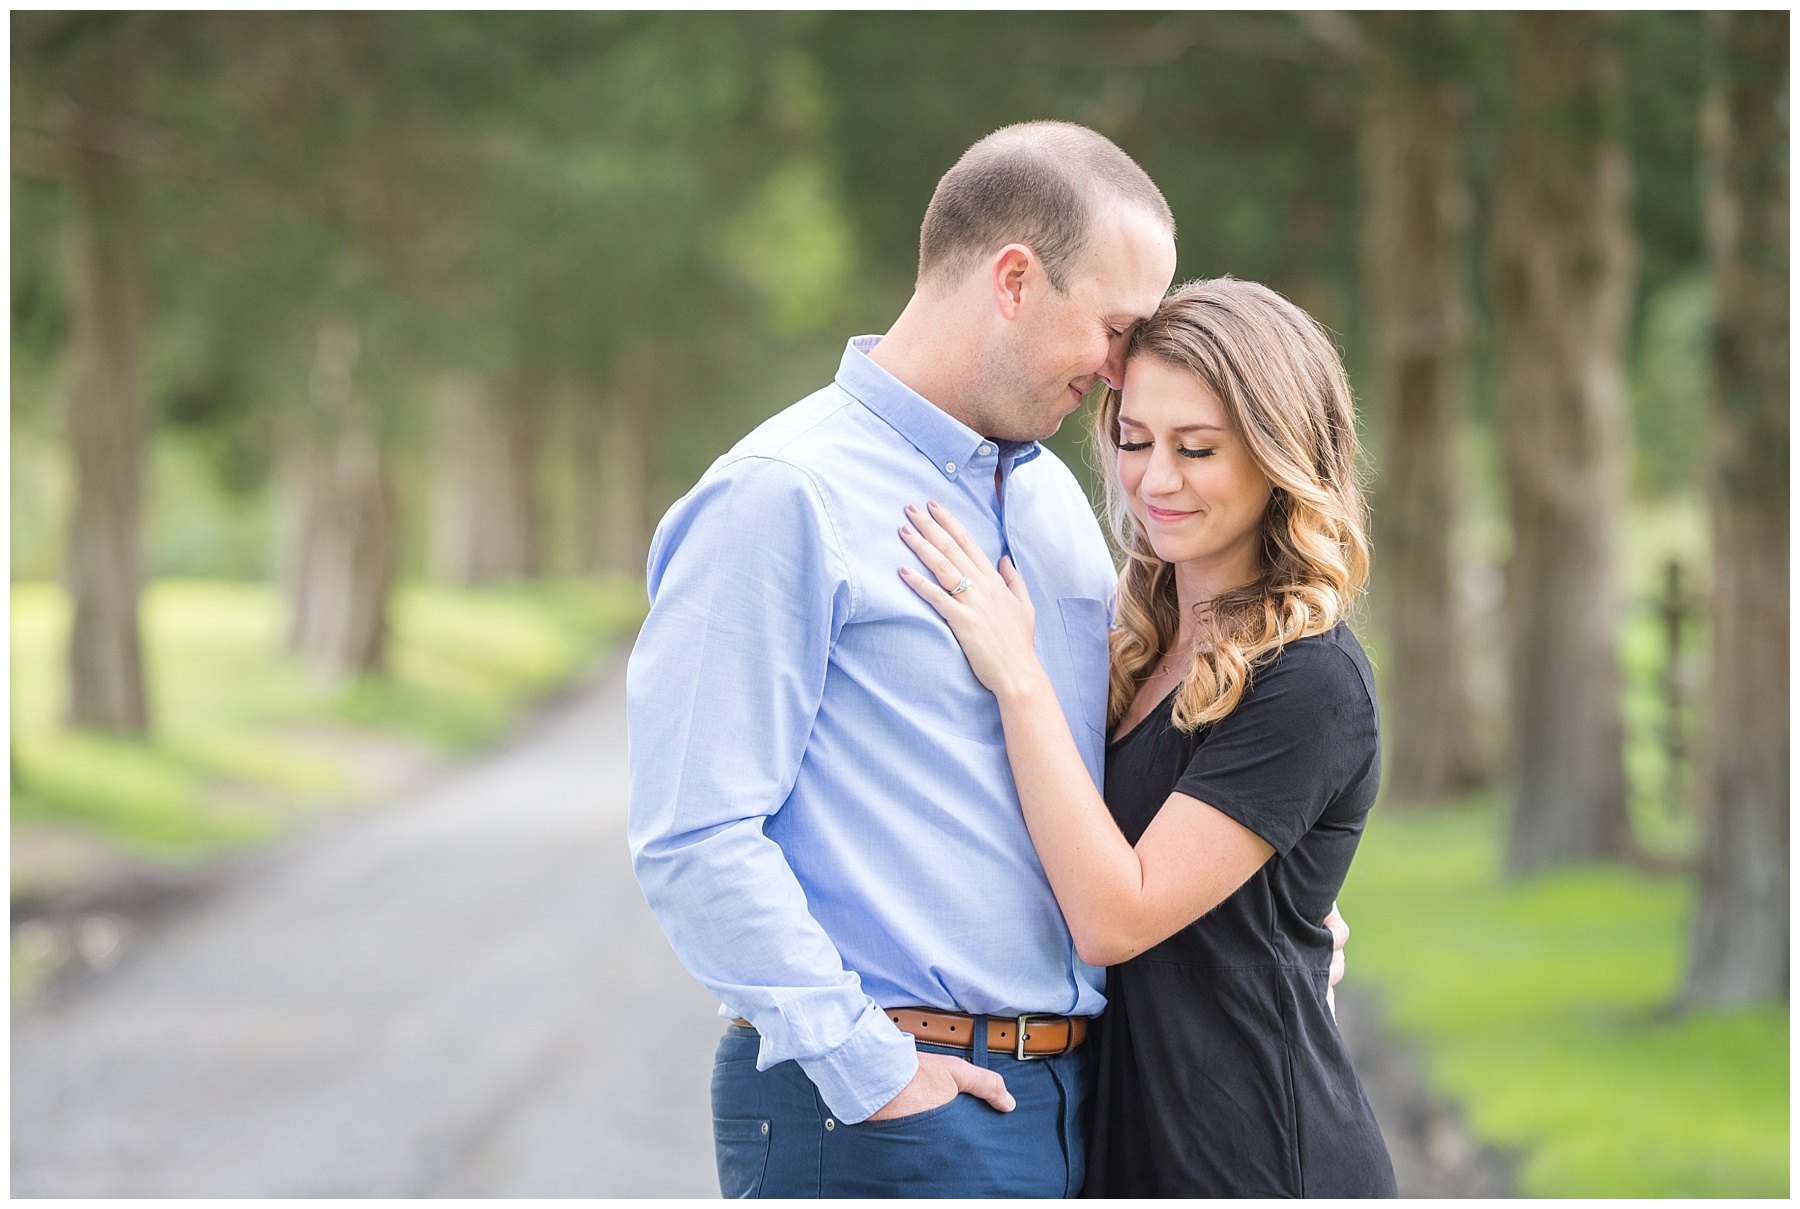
(939, 1080)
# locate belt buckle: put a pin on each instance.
(1019, 1040)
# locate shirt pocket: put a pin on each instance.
(1084, 631)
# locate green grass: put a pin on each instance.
(1539, 1007)
(237, 750)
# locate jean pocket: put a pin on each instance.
(1084, 631)
(742, 1151)
(743, 1044)
(926, 1154)
(911, 1120)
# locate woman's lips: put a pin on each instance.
(1165, 517)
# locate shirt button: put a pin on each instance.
(765, 1127)
(949, 467)
(830, 1125)
(985, 450)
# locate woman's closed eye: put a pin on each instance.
(1139, 446)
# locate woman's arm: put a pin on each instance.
(1118, 900)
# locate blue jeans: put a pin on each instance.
(774, 1137)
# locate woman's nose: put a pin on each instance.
(1163, 477)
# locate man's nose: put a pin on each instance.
(1114, 369)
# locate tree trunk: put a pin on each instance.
(1740, 948)
(1565, 264)
(106, 424)
(343, 560)
(487, 522)
(1414, 239)
(613, 482)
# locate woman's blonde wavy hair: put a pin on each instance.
(1282, 383)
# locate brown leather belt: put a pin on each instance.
(1024, 1037)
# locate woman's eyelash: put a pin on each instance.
(1136, 446)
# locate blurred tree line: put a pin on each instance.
(477, 295)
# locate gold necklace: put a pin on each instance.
(1169, 661)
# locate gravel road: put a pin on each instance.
(462, 994)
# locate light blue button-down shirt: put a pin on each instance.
(822, 813)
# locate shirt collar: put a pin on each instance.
(951, 445)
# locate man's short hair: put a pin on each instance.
(1036, 183)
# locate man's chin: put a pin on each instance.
(1041, 432)
(1054, 421)
(1033, 428)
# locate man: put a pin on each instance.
(822, 813)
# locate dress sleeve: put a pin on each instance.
(748, 588)
(1304, 731)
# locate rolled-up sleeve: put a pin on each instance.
(748, 589)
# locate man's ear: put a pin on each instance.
(1012, 272)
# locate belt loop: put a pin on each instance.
(980, 1056)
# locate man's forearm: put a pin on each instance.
(737, 919)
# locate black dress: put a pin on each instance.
(1220, 1068)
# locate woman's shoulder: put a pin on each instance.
(1331, 664)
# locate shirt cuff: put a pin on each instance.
(865, 1072)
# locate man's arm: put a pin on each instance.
(1340, 936)
(748, 589)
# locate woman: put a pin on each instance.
(1243, 755)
